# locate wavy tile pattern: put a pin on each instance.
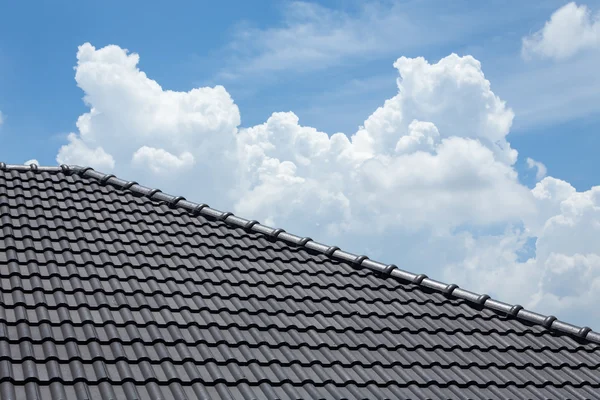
(109, 295)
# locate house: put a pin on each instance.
(113, 290)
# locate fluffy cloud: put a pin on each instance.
(33, 161)
(128, 109)
(161, 161)
(570, 30)
(133, 123)
(77, 151)
(563, 276)
(435, 146)
(539, 167)
(578, 216)
(422, 136)
(428, 182)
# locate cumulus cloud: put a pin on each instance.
(427, 182)
(422, 136)
(33, 161)
(570, 30)
(161, 161)
(578, 216)
(563, 276)
(435, 146)
(539, 167)
(133, 123)
(78, 152)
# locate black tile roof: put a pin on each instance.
(111, 290)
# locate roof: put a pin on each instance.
(113, 290)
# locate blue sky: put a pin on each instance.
(190, 44)
(239, 105)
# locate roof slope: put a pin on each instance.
(110, 290)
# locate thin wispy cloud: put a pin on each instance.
(313, 37)
(557, 80)
(548, 93)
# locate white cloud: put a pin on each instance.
(564, 276)
(33, 161)
(131, 114)
(490, 264)
(570, 30)
(543, 93)
(77, 152)
(575, 226)
(539, 167)
(428, 182)
(422, 136)
(161, 161)
(432, 148)
(132, 109)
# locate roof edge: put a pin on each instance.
(31, 167)
(516, 311)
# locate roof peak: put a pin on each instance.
(550, 322)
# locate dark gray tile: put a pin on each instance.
(105, 295)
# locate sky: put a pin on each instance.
(457, 139)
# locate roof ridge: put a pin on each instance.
(516, 311)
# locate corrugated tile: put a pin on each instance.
(107, 295)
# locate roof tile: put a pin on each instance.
(112, 290)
